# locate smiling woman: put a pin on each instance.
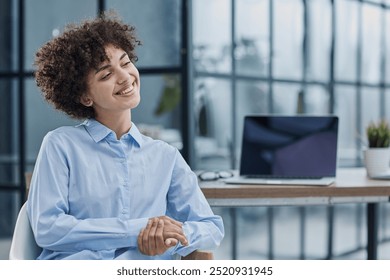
(58, 81)
(102, 190)
(113, 89)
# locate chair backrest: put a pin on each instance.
(27, 177)
(23, 245)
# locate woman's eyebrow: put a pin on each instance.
(109, 65)
(122, 56)
(102, 68)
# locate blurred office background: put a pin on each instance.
(205, 64)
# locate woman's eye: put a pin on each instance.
(126, 64)
(106, 76)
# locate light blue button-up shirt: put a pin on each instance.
(91, 194)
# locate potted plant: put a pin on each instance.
(377, 155)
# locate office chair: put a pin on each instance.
(24, 247)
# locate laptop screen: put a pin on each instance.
(289, 146)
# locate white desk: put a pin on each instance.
(351, 186)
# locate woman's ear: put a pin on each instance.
(86, 101)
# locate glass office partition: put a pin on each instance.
(387, 104)
(319, 29)
(346, 110)
(317, 100)
(46, 19)
(281, 240)
(287, 98)
(9, 135)
(371, 98)
(371, 43)
(253, 229)
(349, 228)
(213, 122)
(9, 46)
(346, 43)
(212, 35)
(252, 38)
(9, 157)
(316, 228)
(157, 26)
(387, 46)
(288, 31)
(9, 208)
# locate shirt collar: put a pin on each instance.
(136, 134)
(99, 131)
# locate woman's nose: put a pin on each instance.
(122, 76)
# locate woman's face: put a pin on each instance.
(114, 88)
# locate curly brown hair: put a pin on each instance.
(64, 63)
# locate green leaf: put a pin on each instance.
(170, 97)
(378, 134)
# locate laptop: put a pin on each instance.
(288, 150)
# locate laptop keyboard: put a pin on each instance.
(283, 177)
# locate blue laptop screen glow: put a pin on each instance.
(289, 146)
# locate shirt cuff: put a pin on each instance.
(134, 228)
(185, 250)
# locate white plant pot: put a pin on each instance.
(377, 161)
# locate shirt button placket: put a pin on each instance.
(125, 210)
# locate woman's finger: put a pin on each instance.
(152, 237)
(160, 245)
(140, 241)
(145, 237)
